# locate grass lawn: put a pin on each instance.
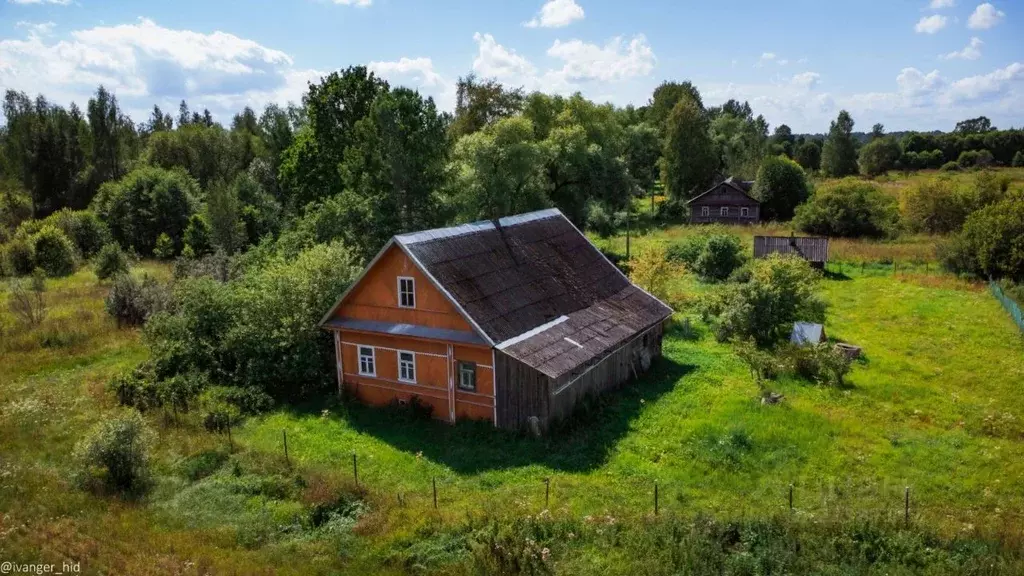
(934, 405)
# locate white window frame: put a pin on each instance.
(461, 364)
(401, 293)
(744, 212)
(363, 357)
(723, 211)
(705, 211)
(406, 366)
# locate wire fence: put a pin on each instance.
(1009, 304)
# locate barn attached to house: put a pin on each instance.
(728, 202)
(814, 250)
(508, 320)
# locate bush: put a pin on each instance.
(722, 254)
(950, 167)
(781, 186)
(28, 304)
(849, 208)
(991, 243)
(673, 210)
(821, 363)
(110, 262)
(652, 270)
(20, 256)
(687, 250)
(599, 220)
(935, 206)
(197, 236)
(145, 204)
(83, 228)
(879, 156)
(136, 388)
(1018, 159)
(54, 252)
(258, 331)
(781, 290)
(164, 249)
(975, 158)
(115, 455)
(133, 302)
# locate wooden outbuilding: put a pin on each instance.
(812, 249)
(509, 320)
(728, 202)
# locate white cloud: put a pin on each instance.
(419, 74)
(766, 57)
(970, 52)
(613, 61)
(984, 17)
(144, 63)
(58, 2)
(995, 83)
(36, 29)
(806, 80)
(556, 14)
(931, 24)
(494, 60)
(914, 83)
(359, 3)
(940, 4)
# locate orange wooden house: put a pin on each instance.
(507, 320)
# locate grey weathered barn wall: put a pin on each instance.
(524, 392)
(521, 392)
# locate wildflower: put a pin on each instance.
(544, 554)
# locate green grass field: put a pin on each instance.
(933, 406)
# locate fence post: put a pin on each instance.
(434, 481)
(655, 497)
(547, 492)
(231, 443)
(284, 435)
(790, 497)
(355, 469)
(906, 505)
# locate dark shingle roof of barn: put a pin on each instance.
(533, 271)
(809, 248)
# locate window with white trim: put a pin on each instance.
(406, 292)
(467, 375)
(367, 361)
(705, 211)
(406, 366)
(724, 211)
(744, 212)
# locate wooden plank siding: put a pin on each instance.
(728, 197)
(524, 392)
(376, 298)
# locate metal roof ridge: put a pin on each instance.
(474, 227)
(531, 333)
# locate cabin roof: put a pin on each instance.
(513, 277)
(811, 249)
(741, 186)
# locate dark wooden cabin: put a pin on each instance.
(814, 250)
(512, 320)
(728, 202)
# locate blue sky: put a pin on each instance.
(910, 64)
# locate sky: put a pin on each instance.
(908, 64)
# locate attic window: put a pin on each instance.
(406, 292)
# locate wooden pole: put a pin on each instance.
(434, 481)
(791, 497)
(628, 206)
(355, 469)
(906, 504)
(547, 491)
(231, 443)
(284, 435)
(655, 497)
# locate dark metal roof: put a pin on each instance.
(809, 248)
(411, 330)
(742, 186)
(525, 271)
